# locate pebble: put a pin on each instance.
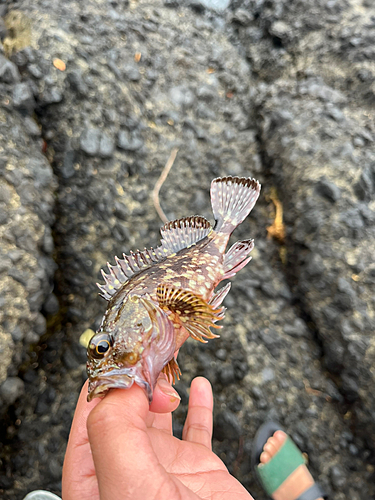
(243, 17)
(3, 29)
(51, 96)
(121, 232)
(206, 93)
(131, 72)
(90, 141)
(328, 190)
(32, 127)
(182, 96)
(297, 329)
(226, 375)
(17, 334)
(5, 194)
(129, 142)
(23, 98)
(365, 187)
(12, 389)
(280, 29)
(54, 468)
(353, 450)
(8, 71)
(121, 211)
(206, 113)
(5, 482)
(268, 375)
(51, 305)
(67, 167)
(77, 83)
(43, 406)
(35, 71)
(221, 354)
(338, 477)
(218, 5)
(106, 147)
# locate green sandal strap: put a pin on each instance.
(273, 473)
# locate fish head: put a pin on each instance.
(110, 365)
(133, 348)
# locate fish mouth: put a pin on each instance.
(99, 386)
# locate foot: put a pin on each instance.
(298, 482)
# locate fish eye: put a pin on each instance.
(99, 345)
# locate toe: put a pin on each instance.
(264, 457)
(279, 438)
(270, 447)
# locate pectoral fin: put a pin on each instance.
(196, 315)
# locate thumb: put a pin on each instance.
(125, 463)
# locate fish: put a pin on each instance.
(159, 297)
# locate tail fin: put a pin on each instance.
(232, 200)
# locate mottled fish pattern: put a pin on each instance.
(159, 297)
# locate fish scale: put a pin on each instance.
(159, 297)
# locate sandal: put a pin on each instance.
(272, 474)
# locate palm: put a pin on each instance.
(194, 466)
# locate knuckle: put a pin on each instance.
(197, 427)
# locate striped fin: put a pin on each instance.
(125, 268)
(232, 200)
(196, 315)
(237, 257)
(172, 370)
(183, 233)
(219, 296)
(176, 235)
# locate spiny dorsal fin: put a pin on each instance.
(196, 315)
(126, 268)
(176, 235)
(183, 233)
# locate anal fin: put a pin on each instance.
(196, 315)
(218, 297)
(172, 370)
(237, 257)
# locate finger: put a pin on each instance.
(198, 425)
(165, 398)
(78, 478)
(125, 463)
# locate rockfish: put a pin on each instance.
(157, 298)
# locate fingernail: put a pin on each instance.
(167, 389)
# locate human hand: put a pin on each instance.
(122, 448)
